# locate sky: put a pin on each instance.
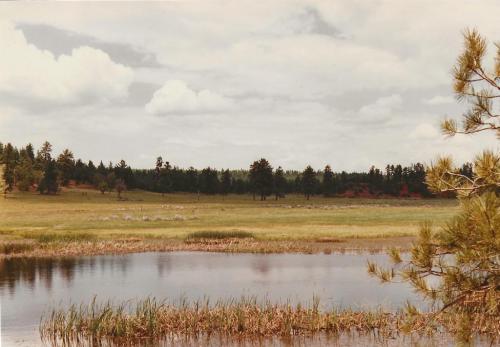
(221, 83)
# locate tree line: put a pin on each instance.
(26, 170)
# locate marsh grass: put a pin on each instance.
(151, 318)
(245, 317)
(49, 237)
(16, 247)
(219, 235)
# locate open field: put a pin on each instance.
(86, 216)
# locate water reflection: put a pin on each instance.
(317, 340)
(28, 287)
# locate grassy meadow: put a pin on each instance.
(88, 215)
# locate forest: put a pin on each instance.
(26, 170)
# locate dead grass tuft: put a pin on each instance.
(219, 235)
(16, 247)
(153, 319)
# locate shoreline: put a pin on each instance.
(30, 249)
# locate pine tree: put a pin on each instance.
(30, 152)
(462, 260)
(279, 183)
(261, 178)
(44, 155)
(24, 173)
(225, 183)
(328, 182)
(66, 166)
(3, 186)
(111, 181)
(9, 162)
(49, 184)
(309, 181)
(208, 181)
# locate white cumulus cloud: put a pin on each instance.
(382, 109)
(424, 131)
(439, 100)
(86, 75)
(175, 97)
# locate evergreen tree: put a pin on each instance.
(458, 266)
(66, 166)
(261, 178)
(9, 162)
(44, 155)
(192, 180)
(158, 176)
(328, 182)
(111, 181)
(308, 181)
(3, 186)
(24, 173)
(225, 184)
(159, 166)
(30, 152)
(125, 173)
(208, 181)
(279, 183)
(165, 178)
(101, 169)
(49, 184)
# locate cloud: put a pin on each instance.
(175, 97)
(60, 41)
(439, 100)
(424, 131)
(382, 109)
(334, 75)
(86, 75)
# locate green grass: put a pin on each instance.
(88, 215)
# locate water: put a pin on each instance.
(29, 287)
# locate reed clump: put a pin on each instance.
(8, 248)
(48, 237)
(151, 318)
(219, 235)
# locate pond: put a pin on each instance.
(29, 287)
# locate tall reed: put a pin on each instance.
(152, 318)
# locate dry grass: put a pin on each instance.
(12, 248)
(175, 216)
(47, 237)
(219, 235)
(154, 319)
(87, 222)
(231, 245)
